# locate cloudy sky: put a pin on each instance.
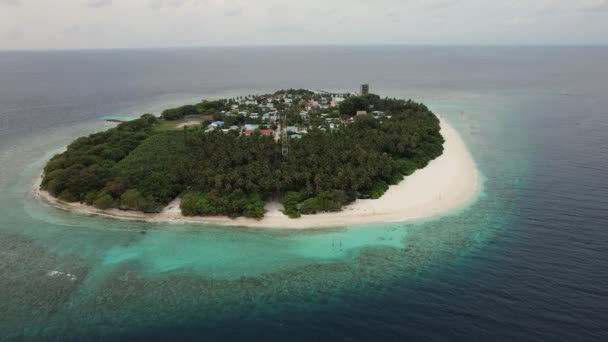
(84, 24)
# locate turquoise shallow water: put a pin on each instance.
(124, 269)
(524, 261)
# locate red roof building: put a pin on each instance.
(267, 132)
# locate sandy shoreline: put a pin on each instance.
(446, 184)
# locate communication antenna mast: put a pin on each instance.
(284, 137)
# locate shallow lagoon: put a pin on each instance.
(515, 263)
(134, 274)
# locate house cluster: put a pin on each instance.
(250, 129)
(219, 124)
(263, 114)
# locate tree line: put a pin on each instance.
(134, 167)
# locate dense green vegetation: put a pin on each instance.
(178, 113)
(137, 167)
(373, 102)
(232, 204)
(87, 171)
(291, 91)
(206, 107)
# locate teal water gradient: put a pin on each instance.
(526, 261)
(132, 274)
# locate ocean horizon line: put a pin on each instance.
(333, 45)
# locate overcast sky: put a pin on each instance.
(85, 24)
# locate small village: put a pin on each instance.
(290, 113)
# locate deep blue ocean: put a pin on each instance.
(526, 261)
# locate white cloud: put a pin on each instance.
(158, 4)
(130, 23)
(439, 4)
(278, 11)
(595, 6)
(519, 21)
(13, 34)
(99, 3)
(233, 12)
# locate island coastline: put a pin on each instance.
(448, 183)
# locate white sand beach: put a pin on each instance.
(446, 184)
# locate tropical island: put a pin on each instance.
(293, 152)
